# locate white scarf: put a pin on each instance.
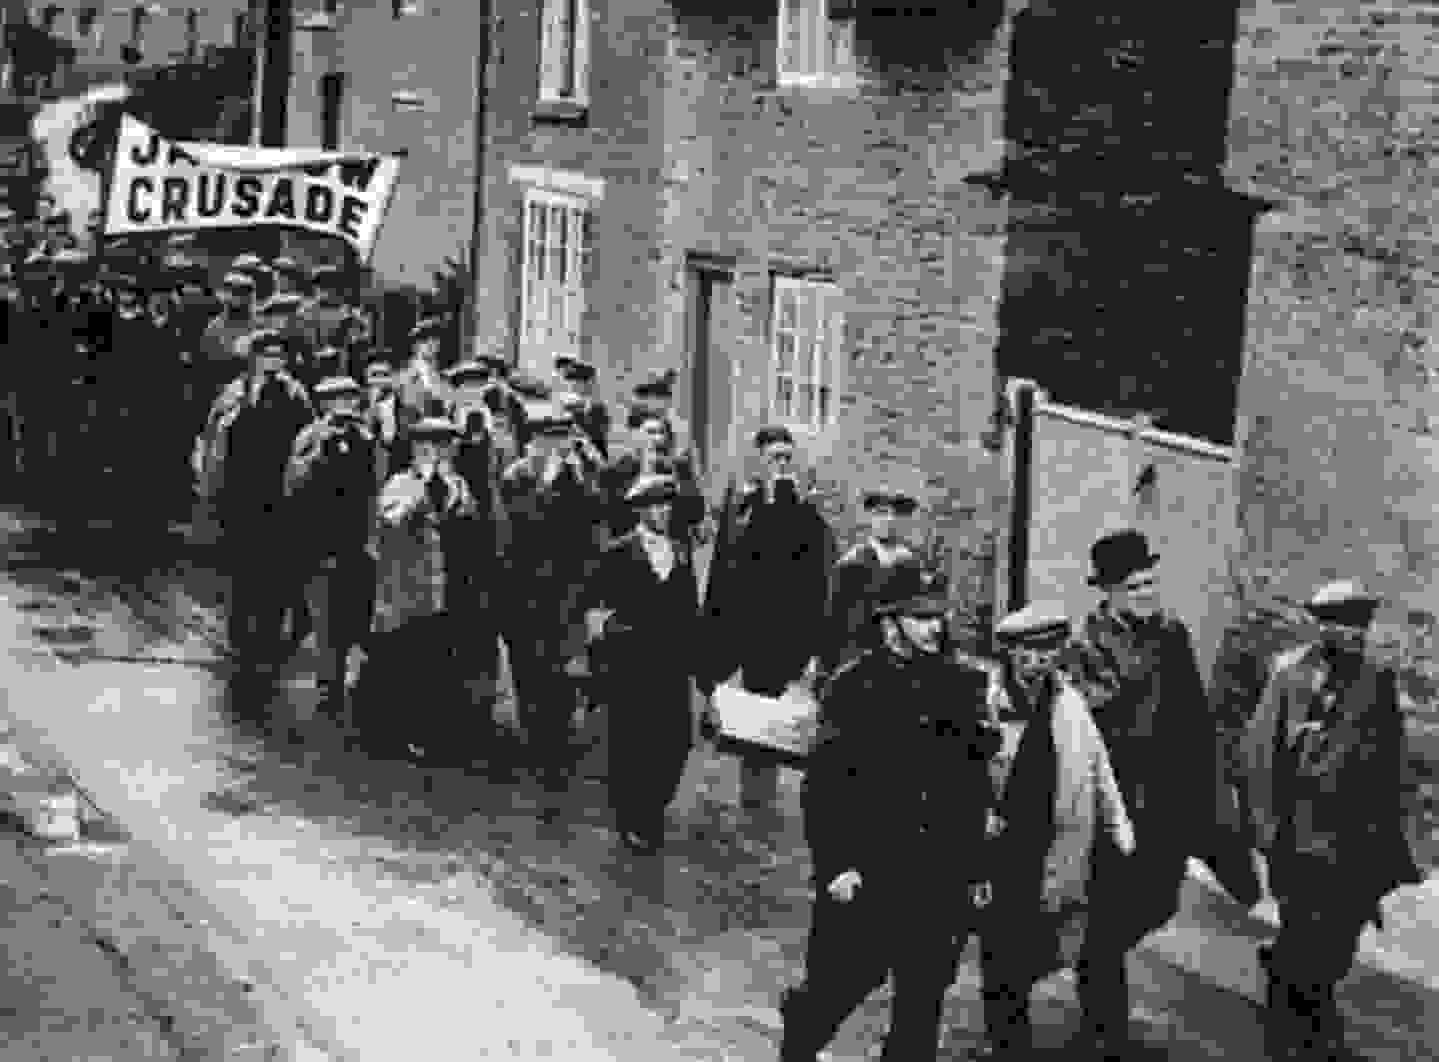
(660, 551)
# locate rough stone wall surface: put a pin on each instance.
(1332, 117)
(866, 185)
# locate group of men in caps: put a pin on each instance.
(1049, 802)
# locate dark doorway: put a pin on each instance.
(706, 379)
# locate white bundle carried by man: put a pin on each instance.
(779, 728)
(161, 185)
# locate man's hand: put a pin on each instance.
(595, 620)
(994, 824)
(842, 888)
(1124, 838)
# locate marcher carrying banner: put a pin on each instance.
(161, 185)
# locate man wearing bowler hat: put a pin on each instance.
(649, 622)
(1136, 666)
(864, 573)
(553, 505)
(896, 798)
(1324, 760)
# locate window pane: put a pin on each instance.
(788, 316)
(784, 353)
(839, 46)
(560, 233)
(784, 398)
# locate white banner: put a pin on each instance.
(161, 185)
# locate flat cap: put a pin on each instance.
(468, 372)
(657, 385)
(338, 387)
(772, 434)
(248, 263)
(436, 428)
(282, 302)
(1042, 625)
(238, 280)
(427, 328)
(652, 489)
(544, 418)
(574, 369)
(882, 498)
(267, 340)
(287, 266)
(528, 387)
(1345, 602)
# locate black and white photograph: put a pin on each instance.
(674, 531)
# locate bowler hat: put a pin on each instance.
(1042, 625)
(652, 489)
(338, 387)
(1117, 556)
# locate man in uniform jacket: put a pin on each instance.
(1136, 666)
(333, 489)
(1324, 756)
(863, 575)
(895, 802)
(1055, 793)
(650, 624)
(770, 537)
(554, 510)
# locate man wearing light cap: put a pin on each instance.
(220, 355)
(254, 267)
(554, 507)
(591, 415)
(327, 317)
(647, 602)
(1324, 763)
(422, 388)
(333, 489)
(291, 277)
(1055, 792)
(896, 797)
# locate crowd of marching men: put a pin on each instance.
(437, 528)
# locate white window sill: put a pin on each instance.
(558, 108)
(832, 82)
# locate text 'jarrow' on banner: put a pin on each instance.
(161, 185)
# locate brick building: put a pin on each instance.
(788, 225)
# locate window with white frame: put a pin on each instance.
(816, 41)
(557, 256)
(564, 52)
(806, 333)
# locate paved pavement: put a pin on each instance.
(382, 909)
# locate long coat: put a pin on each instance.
(860, 579)
(1142, 683)
(414, 575)
(1346, 805)
(897, 787)
(554, 547)
(761, 546)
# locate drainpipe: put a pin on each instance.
(274, 60)
(1024, 394)
(477, 206)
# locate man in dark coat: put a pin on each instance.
(862, 576)
(221, 356)
(1137, 668)
(655, 453)
(257, 421)
(1325, 760)
(896, 797)
(591, 415)
(553, 506)
(333, 489)
(770, 536)
(649, 617)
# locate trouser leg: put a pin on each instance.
(1318, 939)
(1007, 980)
(843, 964)
(921, 981)
(1103, 986)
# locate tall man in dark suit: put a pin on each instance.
(649, 621)
(1136, 666)
(864, 574)
(553, 504)
(1325, 759)
(771, 538)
